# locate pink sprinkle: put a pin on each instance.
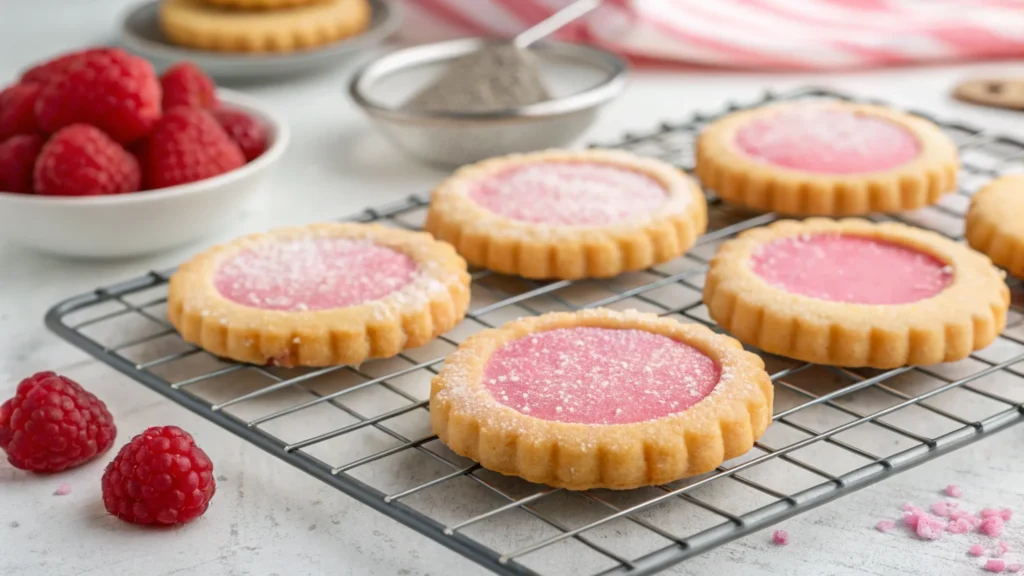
(908, 507)
(959, 515)
(929, 528)
(1002, 548)
(954, 491)
(780, 537)
(1013, 567)
(940, 509)
(1006, 513)
(995, 565)
(992, 526)
(959, 526)
(977, 550)
(885, 525)
(987, 512)
(62, 490)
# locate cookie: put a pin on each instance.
(856, 293)
(198, 24)
(995, 92)
(826, 158)
(568, 214)
(995, 223)
(600, 399)
(319, 295)
(260, 4)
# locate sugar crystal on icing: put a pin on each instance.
(313, 273)
(848, 268)
(824, 140)
(643, 375)
(567, 193)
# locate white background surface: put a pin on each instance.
(270, 519)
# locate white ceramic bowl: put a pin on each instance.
(142, 222)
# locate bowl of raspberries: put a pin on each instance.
(100, 157)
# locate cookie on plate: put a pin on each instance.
(601, 399)
(995, 223)
(568, 214)
(319, 295)
(856, 293)
(826, 158)
(198, 24)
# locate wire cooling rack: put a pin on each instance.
(365, 430)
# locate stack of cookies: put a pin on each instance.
(262, 25)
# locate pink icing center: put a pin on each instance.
(828, 141)
(313, 274)
(583, 193)
(846, 268)
(599, 375)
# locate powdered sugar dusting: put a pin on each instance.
(568, 193)
(848, 268)
(314, 273)
(599, 375)
(828, 141)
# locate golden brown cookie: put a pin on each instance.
(995, 223)
(260, 4)
(600, 399)
(568, 214)
(856, 293)
(197, 24)
(319, 295)
(996, 92)
(826, 158)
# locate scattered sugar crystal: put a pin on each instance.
(992, 526)
(1001, 548)
(1014, 567)
(976, 550)
(780, 537)
(989, 512)
(940, 509)
(62, 490)
(1006, 514)
(953, 491)
(995, 566)
(885, 526)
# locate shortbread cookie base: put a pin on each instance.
(995, 223)
(196, 24)
(260, 4)
(434, 302)
(724, 425)
(548, 251)
(966, 316)
(743, 180)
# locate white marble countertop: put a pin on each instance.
(268, 518)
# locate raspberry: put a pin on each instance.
(80, 160)
(185, 84)
(160, 477)
(53, 424)
(249, 133)
(112, 90)
(187, 145)
(17, 160)
(46, 71)
(18, 110)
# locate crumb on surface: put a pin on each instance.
(1001, 548)
(992, 526)
(995, 565)
(953, 491)
(62, 490)
(780, 537)
(940, 509)
(885, 526)
(976, 550)
(1014, 567)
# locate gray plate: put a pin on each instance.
(140, 33)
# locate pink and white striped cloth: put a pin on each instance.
(759, 34)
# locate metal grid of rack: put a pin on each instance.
(365, 431)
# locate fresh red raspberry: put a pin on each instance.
(112, 90)
(249, 133)
(160, 477)
(18, 110)
(17, 161)
(44, 72)
(185, 84)
(53, 424)
(187, 145)
(80, 160)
